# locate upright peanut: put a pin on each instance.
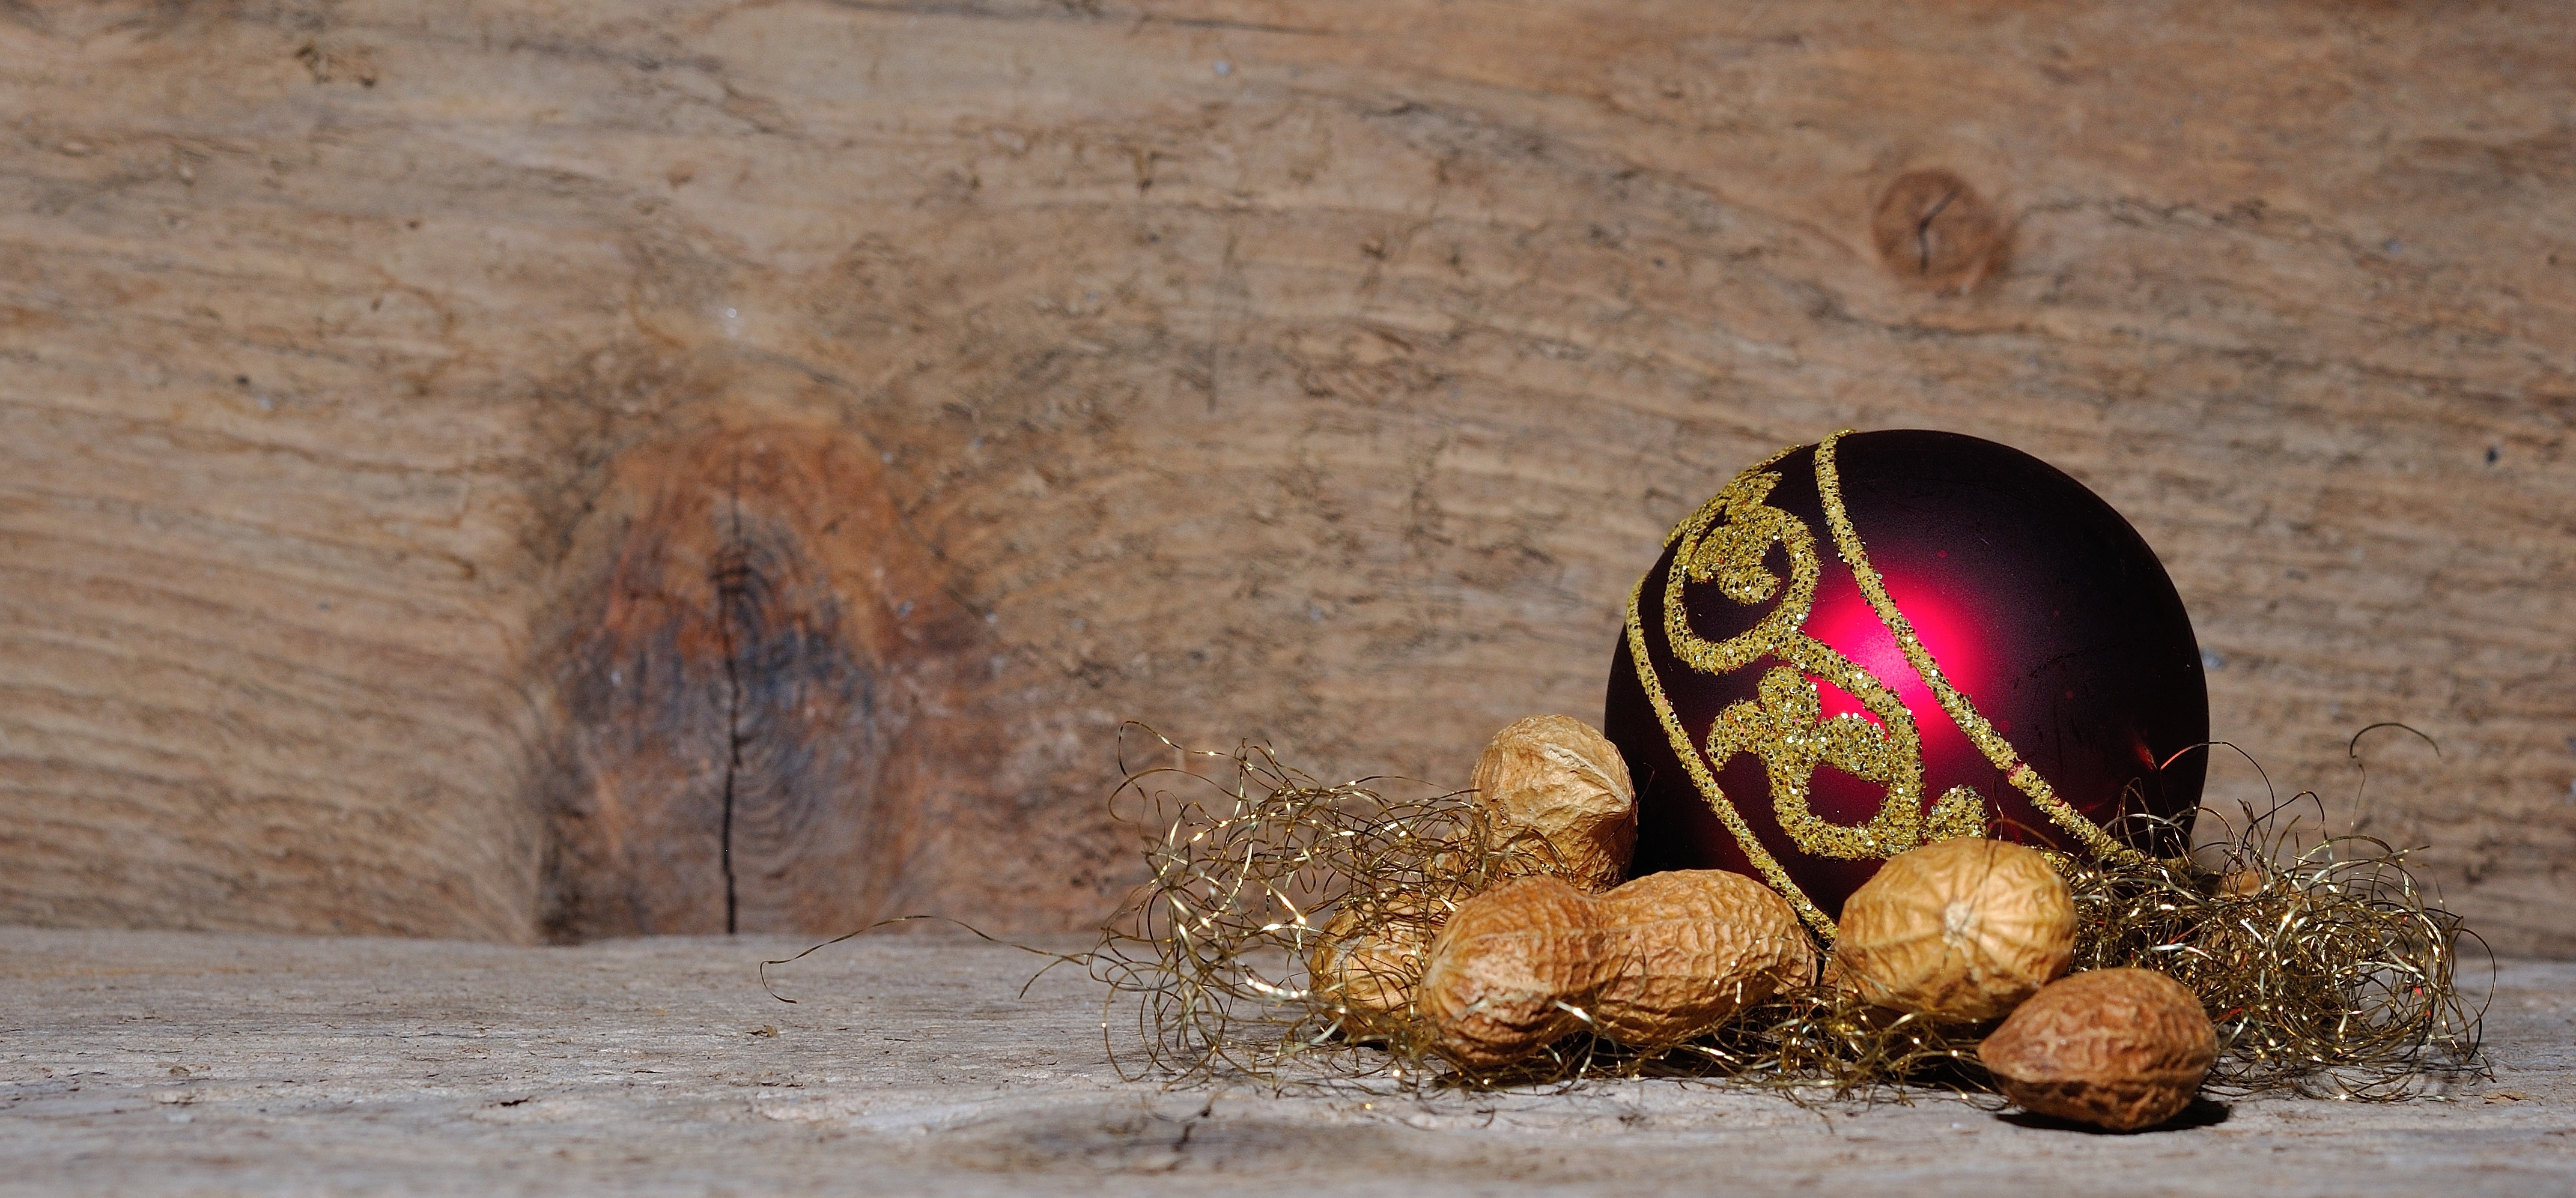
(1559, 777)
(1958, 929)
(1651, 963)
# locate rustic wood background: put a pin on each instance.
(460, 464)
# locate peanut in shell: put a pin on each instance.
(1558, 794)
(1696, 946)
(2116, 1048)
(1650, 964)
(1959, 930)
(1559, 777)
(1513, 971)
(1370, 960)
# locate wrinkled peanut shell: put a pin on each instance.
(1372, 969)
(1559, 777)
(1697, 946)
(1649, 964)
(2116, 1048)
(1500, 977)
(1959, 930)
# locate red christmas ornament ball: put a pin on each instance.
(1894, 637)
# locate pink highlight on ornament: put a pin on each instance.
(1842, 618)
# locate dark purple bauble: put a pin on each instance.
(1895, 637)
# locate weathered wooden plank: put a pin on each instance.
(160, 1062)
(1310, 371)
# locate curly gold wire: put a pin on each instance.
(2326, 965)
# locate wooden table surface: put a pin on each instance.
(199, 1063)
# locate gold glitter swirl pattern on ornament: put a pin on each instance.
(1727, 541)
(1962, 712)
(1784, 725)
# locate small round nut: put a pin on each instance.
(2116, 1048)
(1369, 957)
(1559, 777)
(1957, 930)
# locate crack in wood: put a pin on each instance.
(733, 578)
(1923, 231)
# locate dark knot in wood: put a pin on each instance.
(744, 690)
(1932, 229)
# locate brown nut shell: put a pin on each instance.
(1559, 777)
(2117, 1048)
(1502, 974)
(1958, 930)
(1370, 958)
(1696, 946)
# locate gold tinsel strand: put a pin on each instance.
(2326, 965)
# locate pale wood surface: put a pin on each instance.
(208, 1064)
(1321, 372)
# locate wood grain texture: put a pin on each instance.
(168, 1063)
(1317, 372)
